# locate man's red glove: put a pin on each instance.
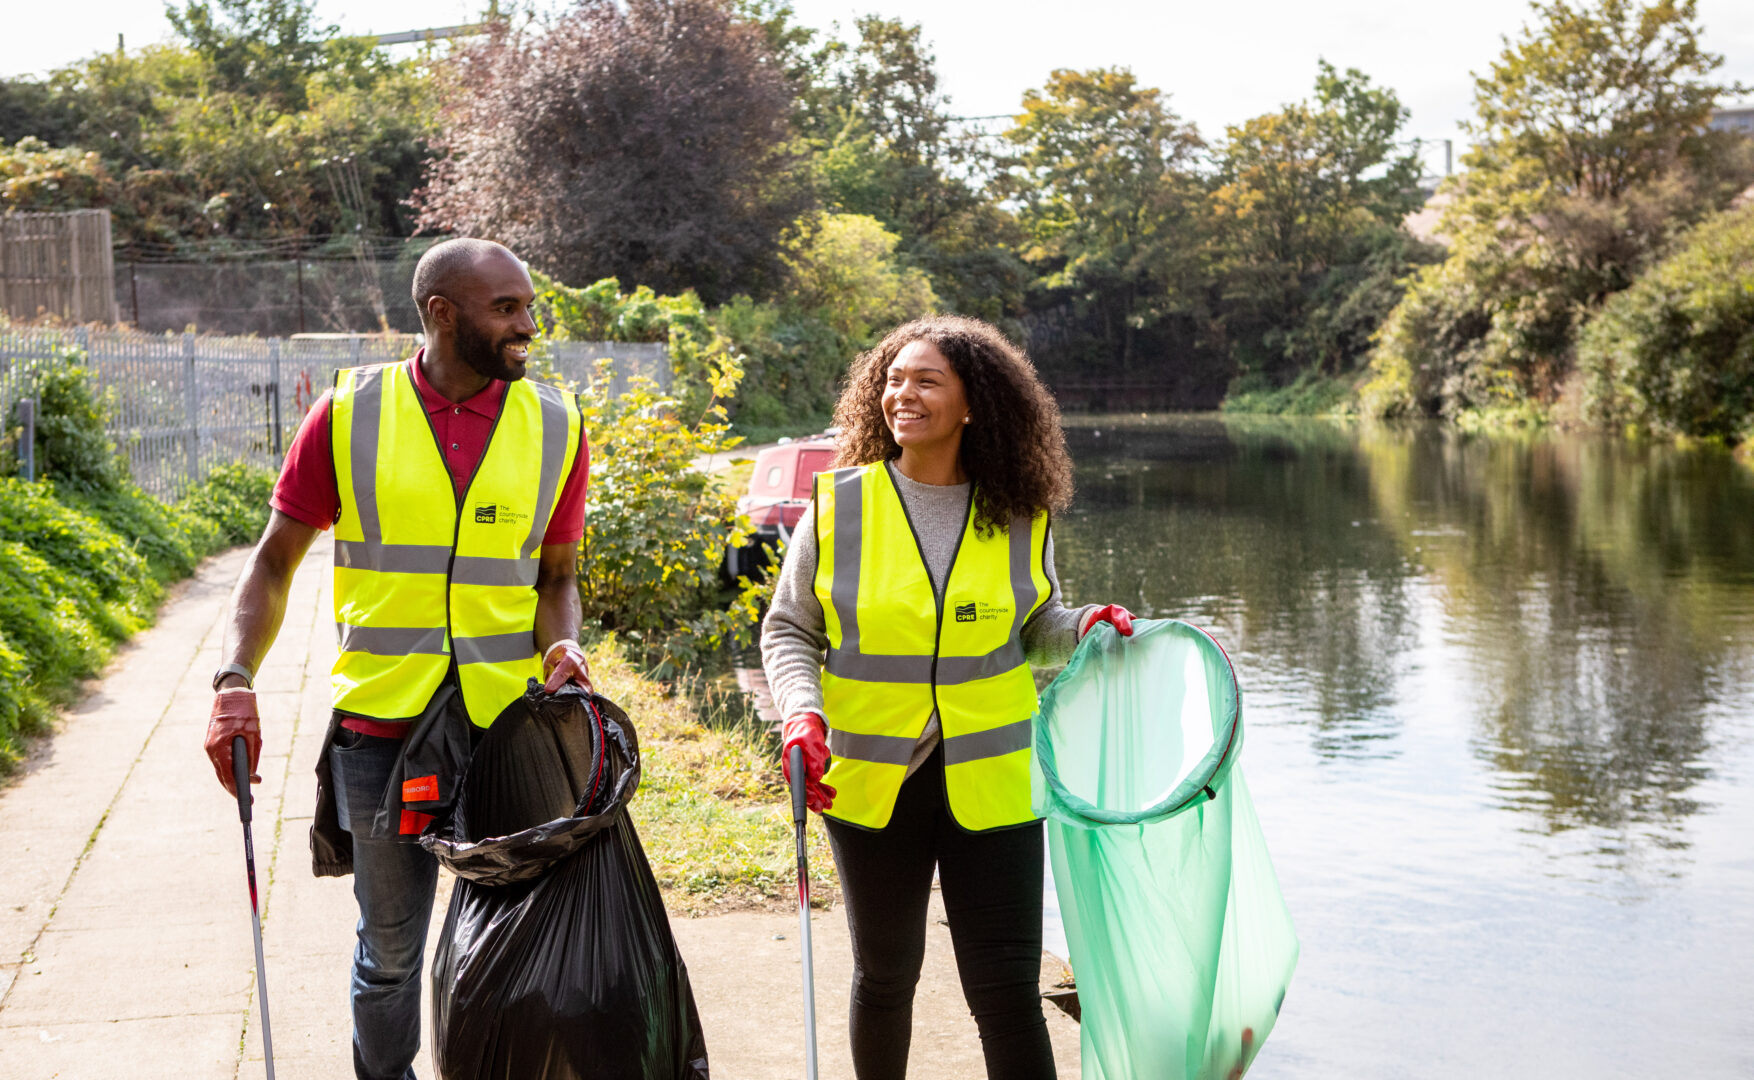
(234, 714)
(1113, 614)
(807, 731)
(563, 663)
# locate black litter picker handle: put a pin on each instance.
(797, 762)
(240, 776)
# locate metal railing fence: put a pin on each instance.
(180, 404)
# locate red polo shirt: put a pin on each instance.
(307, 490)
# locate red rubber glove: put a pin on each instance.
(234, 714)
(807, 730)
(563, 663)
(1113, 614)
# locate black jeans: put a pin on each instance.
(992, 895)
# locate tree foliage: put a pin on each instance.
(1104, 173)
(1307, 205)
(1591, 155)
(1674, 354)
(260, 124)
(645, 141)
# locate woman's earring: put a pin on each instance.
(965, 419)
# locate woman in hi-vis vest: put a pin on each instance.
(915, 593)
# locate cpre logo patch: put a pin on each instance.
(484, 515)
(974, 611)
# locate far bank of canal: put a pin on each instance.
(1499, 694)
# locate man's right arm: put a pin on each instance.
(258, 604)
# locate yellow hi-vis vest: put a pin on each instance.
(897, 650)
(422, 577)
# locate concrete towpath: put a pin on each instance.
(124, 925)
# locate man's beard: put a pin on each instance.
(487, 358)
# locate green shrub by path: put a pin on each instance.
(233, 501)
(1674, 354)
(171, 539)
(95, 556)
(85, 553)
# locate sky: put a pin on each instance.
(1220, 62)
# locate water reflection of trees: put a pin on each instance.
(1587, 580)
(1593, 585)
(1270, 540)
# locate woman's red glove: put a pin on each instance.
(808, 732)
(563, 663)
(1113, 614)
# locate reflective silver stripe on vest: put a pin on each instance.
(368, 409)
(391, 640)
(849, 552)
(480, 570)
(878, 667)
(881, 749)
(391, 558)
(495, 648)
(553, 458)
(994, 742)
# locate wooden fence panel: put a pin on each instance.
(59, 265)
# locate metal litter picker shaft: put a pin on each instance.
(240, 774)
(799, 816)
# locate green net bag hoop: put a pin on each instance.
(1197, 786)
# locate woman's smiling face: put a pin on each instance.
(923, 401)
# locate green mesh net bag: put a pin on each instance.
(1180, 939)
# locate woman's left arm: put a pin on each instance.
(1053, 631)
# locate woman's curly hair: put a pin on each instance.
(1012, 449)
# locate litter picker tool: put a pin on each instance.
(799, 816)
(240, 774)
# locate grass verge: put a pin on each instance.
(712, 808)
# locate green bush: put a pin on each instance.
(657, 527)
(233, 502)
(1674, 354)
(48, 613)
(84, 553)
(172, 539)
(89, 552)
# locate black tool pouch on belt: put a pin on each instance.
(423, 784)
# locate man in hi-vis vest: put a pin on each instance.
(457, 494)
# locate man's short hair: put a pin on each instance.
(443, 263)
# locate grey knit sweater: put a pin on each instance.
(794, 637)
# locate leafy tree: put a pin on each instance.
(263, 48)
(1591, 154)
(1110, 200)
(32, 108)
(1304, 197)
(647, 141)
(884, 144)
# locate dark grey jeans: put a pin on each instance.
(393, 880)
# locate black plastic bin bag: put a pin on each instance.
(557, 961)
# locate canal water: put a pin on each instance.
(1499, 703)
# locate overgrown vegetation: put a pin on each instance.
(260, 123)
(1674, 354)
(1591, 154)
(712, 804)
(793, 191)
(85, 554)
